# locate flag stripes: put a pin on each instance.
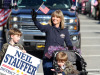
(4, 14)
(44, 9)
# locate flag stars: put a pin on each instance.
(18, 71)
(22, 73)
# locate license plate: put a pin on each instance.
(40, 46)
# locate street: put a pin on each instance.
(90, 45)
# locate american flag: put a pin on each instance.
(44, 9)
(4, 14)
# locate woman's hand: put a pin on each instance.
(24, 51)
(53, 70)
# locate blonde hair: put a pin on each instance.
(61, 56)
(14, 31)
(59, 14)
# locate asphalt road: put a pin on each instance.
(90, 44)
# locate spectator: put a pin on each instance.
(56, 35)
(15, 35)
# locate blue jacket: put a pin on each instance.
(55, 36)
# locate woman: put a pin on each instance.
(56, 35)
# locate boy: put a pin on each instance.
(15, 35)
(65, 66)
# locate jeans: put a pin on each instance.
(47, 66)
(63, 73)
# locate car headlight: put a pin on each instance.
(71, 20)
(74, 38)
(15, 19)
(15, 25)
(72, 27)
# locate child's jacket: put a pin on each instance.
(4, 49)
(69, 68)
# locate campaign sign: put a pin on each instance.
(15, 62)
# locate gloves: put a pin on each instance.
(70, 47)
(34, 15)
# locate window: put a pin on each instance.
(52, 4)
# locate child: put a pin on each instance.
(15, 35)
(66, 66)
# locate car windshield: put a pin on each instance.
(52, 4)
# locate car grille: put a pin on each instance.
(29, 27)
(33, 27)
(39, 19)
(27, 19)
(67, 20)
(39, 37)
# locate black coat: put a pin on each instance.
(54, 36)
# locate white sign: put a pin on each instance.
(15, 62)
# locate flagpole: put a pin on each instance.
(40, 6)
(11, 2)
